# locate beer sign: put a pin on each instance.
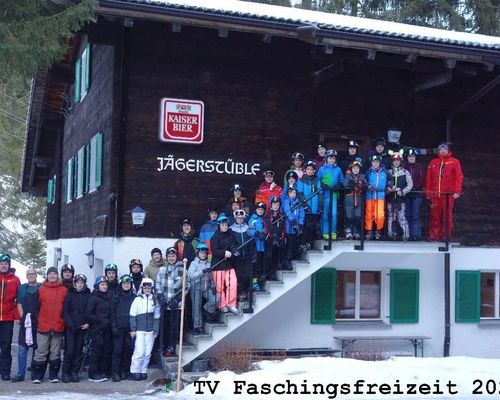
(181, 121)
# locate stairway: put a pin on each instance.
(195, 345)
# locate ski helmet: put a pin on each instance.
(330, 153)
(79, 277)
(5, 257)
(111, 267)
(311, 164)
(297, 156)
(171, 250)
(260, 204)
(100, 279)
(67, 267)
(125, 278)
(201, 247)
(147, 282)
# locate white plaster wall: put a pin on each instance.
(107, 250)
(286, 324)
(471, 338)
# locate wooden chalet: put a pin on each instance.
(271, 81)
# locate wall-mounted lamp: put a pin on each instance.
(138, 217)
(90, 258)
(58, 252)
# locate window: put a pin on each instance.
(358, 295)
(82, 74)
(51, 191)
(69, 180)
(489, 295)
(95, 164)
(80, 179)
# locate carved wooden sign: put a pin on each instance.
(181, 121)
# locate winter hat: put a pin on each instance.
(321, 146)
(444, 145)
(187, 221)
(51, 269)
(156, 250)
(352, 143)
(222, 218)
(311, 164)
(379, 141)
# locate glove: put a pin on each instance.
(206, 270)
(227, 254)
(161, 299)
(336, 188)
(324, 186)
(276, 243)
(173, 303)
(236, 253)
(261, 235)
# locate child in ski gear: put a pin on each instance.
(444, 175)
(201, 287)
(237, 192)
(27, 305)
(9, 284)
(331, 178)
(135, 268)
(414, 199)
(154, 265)
(246, 252)
(224, 247)
(75, 305)
(294, 225)
(144, 327)
(267, 189)
(235, 206)
(399, 184)
(111, 274)
(319, 159)
(274, 228)
(168, 287)
(50, 332)
(375, 198)
(99, 314)
(209, 228)
(186, 244)
(291, 179)
(350, 156)
(256, 224)
(355, 185)
(307, 186)
(380, 149)
(67, 273)
(123, 344)
(297, 167)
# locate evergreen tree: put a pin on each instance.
(35, 33)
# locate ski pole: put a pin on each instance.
(184, 261)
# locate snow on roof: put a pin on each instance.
(330, 21)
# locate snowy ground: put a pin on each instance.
(332, 378)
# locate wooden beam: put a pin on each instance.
(266, 38)
(128, 22)
(328, 49)
(176, 27)
(433, 80)
(450, 63)
(371, 54)
(488, 67)
(329, 72)
(411, 58)
(307, 33)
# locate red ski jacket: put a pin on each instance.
(444, 174)
(51, 299)
(264, 193)
(9, 284)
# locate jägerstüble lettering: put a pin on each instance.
(229, 166)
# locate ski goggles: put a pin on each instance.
(239, 213)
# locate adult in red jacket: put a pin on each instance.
(444, 175)
(8, 313)
(267, 189)
(50, 331)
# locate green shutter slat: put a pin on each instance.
(87, 67)
(65, 188)
(323, 284)
(404, 296)
(75, 176)
(78, 79)
(50, 191)
(98, 164)
(467, 296)
(87, 169)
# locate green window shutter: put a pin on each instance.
(78, 79)
(87, 169)
(50, 192)
(404, 296)
(98, 164)
(87, 67)
(323, 284)
(75, 177)
(467, 296)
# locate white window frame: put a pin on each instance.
(69, 180)
(496, 290)
(80, 173)
(384, 285)
(93, 163)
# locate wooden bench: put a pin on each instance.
(416, 341)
